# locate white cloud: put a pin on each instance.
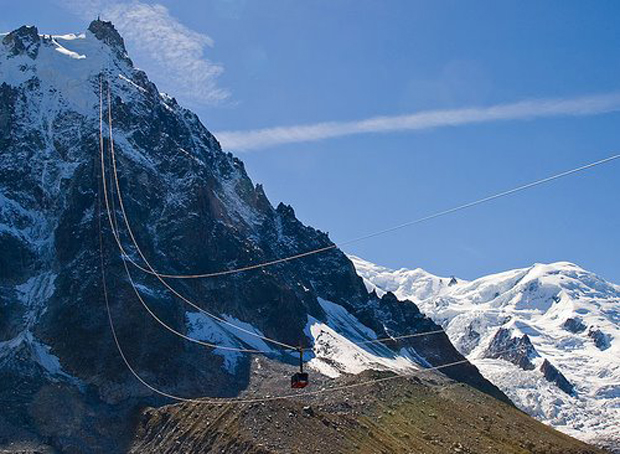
(170, 52)
(523, 110)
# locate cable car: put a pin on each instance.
(300, 379)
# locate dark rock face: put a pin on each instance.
(193, 209)
(574, 325)
(521, 352)
(553, 375)
(105, 32)
(23, 41)
(601, 340)
(520, 349)
(470, 339)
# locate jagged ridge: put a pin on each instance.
(193, 208)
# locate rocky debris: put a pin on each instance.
(430, 414)
(553, 375)
(520, 349)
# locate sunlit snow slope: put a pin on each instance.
(566, 318)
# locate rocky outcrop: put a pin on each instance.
(23, 41)
(574, 325)
(517, 350)
(557, 305)
(553, 375)
(601, 340)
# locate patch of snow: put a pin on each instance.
(236, 204)
(415, 285)
(37, 352)
(132, 83)
(46, 359)
(338, 348)
(202, 327)
(34, 293)
(20, 222)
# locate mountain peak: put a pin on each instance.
(559, 265)
(24, 40)
(556, 322)
(107, 33)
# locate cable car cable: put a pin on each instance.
(113, 223)
(219, 402)
(384, 231)
(136, 291)
(242, 400)
(290, 347)
(174, 291)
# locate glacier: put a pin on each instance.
(570, 316)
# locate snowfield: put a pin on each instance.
(570, 316)
(344, 345)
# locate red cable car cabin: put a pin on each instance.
(300, 379)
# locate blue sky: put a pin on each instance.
(249, 65)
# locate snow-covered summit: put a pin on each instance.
(65, 68)
(415, 285)
(566, 318)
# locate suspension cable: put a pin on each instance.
(211, 401)
(152, 271)
(395, 338)
(370, 235)
(159, 275)
(115, 232)
(117, 239)
(124, 253)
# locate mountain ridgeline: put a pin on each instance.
(193, 209)
(564, 320)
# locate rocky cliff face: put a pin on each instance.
(517, 350)
(193, 209)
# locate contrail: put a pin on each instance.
(522, 110)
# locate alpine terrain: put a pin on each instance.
(88, 340)
(566, 319)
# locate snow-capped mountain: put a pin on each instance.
(565, 319)
(193, 209)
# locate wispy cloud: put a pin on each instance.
(172, 54)
(523, 110)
